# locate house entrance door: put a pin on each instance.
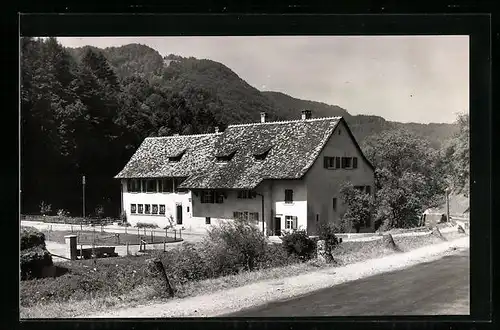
(179, 214)
(277, 226)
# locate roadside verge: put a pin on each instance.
(235, 299)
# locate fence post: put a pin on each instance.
(125, 230)
(81, 251)
(127, 249)
(71, 228)
(175, 234)
(70, 246)
(180, 233)
(138, 236)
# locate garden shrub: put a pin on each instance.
(235, 245)
(34, 256)
(327, 233)
(31, 237)
(113, 276)
(275, 255)
(184, 263)
(33, 260)
(299, 244)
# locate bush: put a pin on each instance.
(31, 237)
(235, 245)
(184, 264)
(275, 255)
(111, 277)
(33, 261)
(327, 233)
(146, 225)
(299, 244)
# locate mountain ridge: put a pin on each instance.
(241, 102)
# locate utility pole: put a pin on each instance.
(83, 192)
(263, 218)
(447, 204)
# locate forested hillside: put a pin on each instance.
(240, 101)
(85, 111)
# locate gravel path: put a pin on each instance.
(233, 300)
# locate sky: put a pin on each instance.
(401, 78)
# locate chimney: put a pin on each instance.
(306, 114)
(216, 129)
(263, 117)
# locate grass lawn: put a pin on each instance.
(111, 239)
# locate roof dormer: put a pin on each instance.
(175, 157)
(261, 153)
(225, 156)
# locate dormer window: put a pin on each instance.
(225, 156)
(261, 153)
(177, 156)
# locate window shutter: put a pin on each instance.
(337, 162)
(325, 162)
(355, 162)
(343, 162)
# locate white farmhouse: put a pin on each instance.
(279, 175)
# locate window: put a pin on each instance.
(219, 197)
(359, 188)
(140, 208)
(151, 186)
(339, 131)
(155, 208)
(147, 209)
(329, 162)
(187, 209)
(207, 220)
(133, 185)
(246, 194)
(167, 185)
(334, 204)
(337, 162)
(246, 215)
(162, 209)
(317, 217)
(210, 196)
(253, 216)
(369, 190)
(346, 162)
(349, 162)
(288, 196)
(177, 182)
(290, 222)
(133, 208)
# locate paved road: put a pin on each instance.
(438, 287)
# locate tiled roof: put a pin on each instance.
(151, 160)
(292, 147)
